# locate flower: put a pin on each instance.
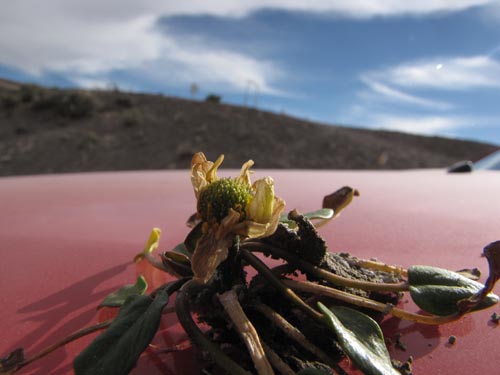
(229, 207)
(151, 245)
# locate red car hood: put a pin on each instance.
(67, 241)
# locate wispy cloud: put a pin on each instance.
(426, 125)
(381, 92)
(447, 73)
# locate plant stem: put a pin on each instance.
(246, 330)
(306, 286)
(321, 273)
(276, 361)
(184, 315)
(379, 266)
(295, 334)
(276, 282)
(72, 337)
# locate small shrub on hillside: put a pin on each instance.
(29, 93)
(213, 98)
(66, 104)
(9, 103)
(131, 118)
(123, 101)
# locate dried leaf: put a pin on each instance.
(340, 199)
(492, 254)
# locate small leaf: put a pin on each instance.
(177, 263)
(438, 291)
(117, 299)
(361, 338)
(193, 220)
(321, 214)
(177, 257)
(181, 249)
(10, 363)
(192, 238)
(117, 350)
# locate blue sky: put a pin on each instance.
(422, 66)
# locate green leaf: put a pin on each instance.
(178, 263)
(192, 238)
(181, 249)
(117, 299)
(361, 338)
(117, 350)
(321, 214)
(437, 290)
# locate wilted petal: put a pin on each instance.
(209, 253)
(203, 172)
(212, 248)
(250, 229)
(198, 158)
(244, 177)
(227, 224)
(199, 169)
(151, 245)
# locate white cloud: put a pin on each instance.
(454, 73)
(426, 125)
(379, 91)
(87, 39)
(352, 9)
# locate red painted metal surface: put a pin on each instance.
(67, 241)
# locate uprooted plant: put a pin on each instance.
(300, 317)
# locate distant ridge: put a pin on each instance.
(46, 130)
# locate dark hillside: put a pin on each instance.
(50, 131)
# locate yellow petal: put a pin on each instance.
(151, 245)
(279, 206)
(252, 229)
(212, 173)
(261, 207)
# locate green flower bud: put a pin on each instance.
(219, 196)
